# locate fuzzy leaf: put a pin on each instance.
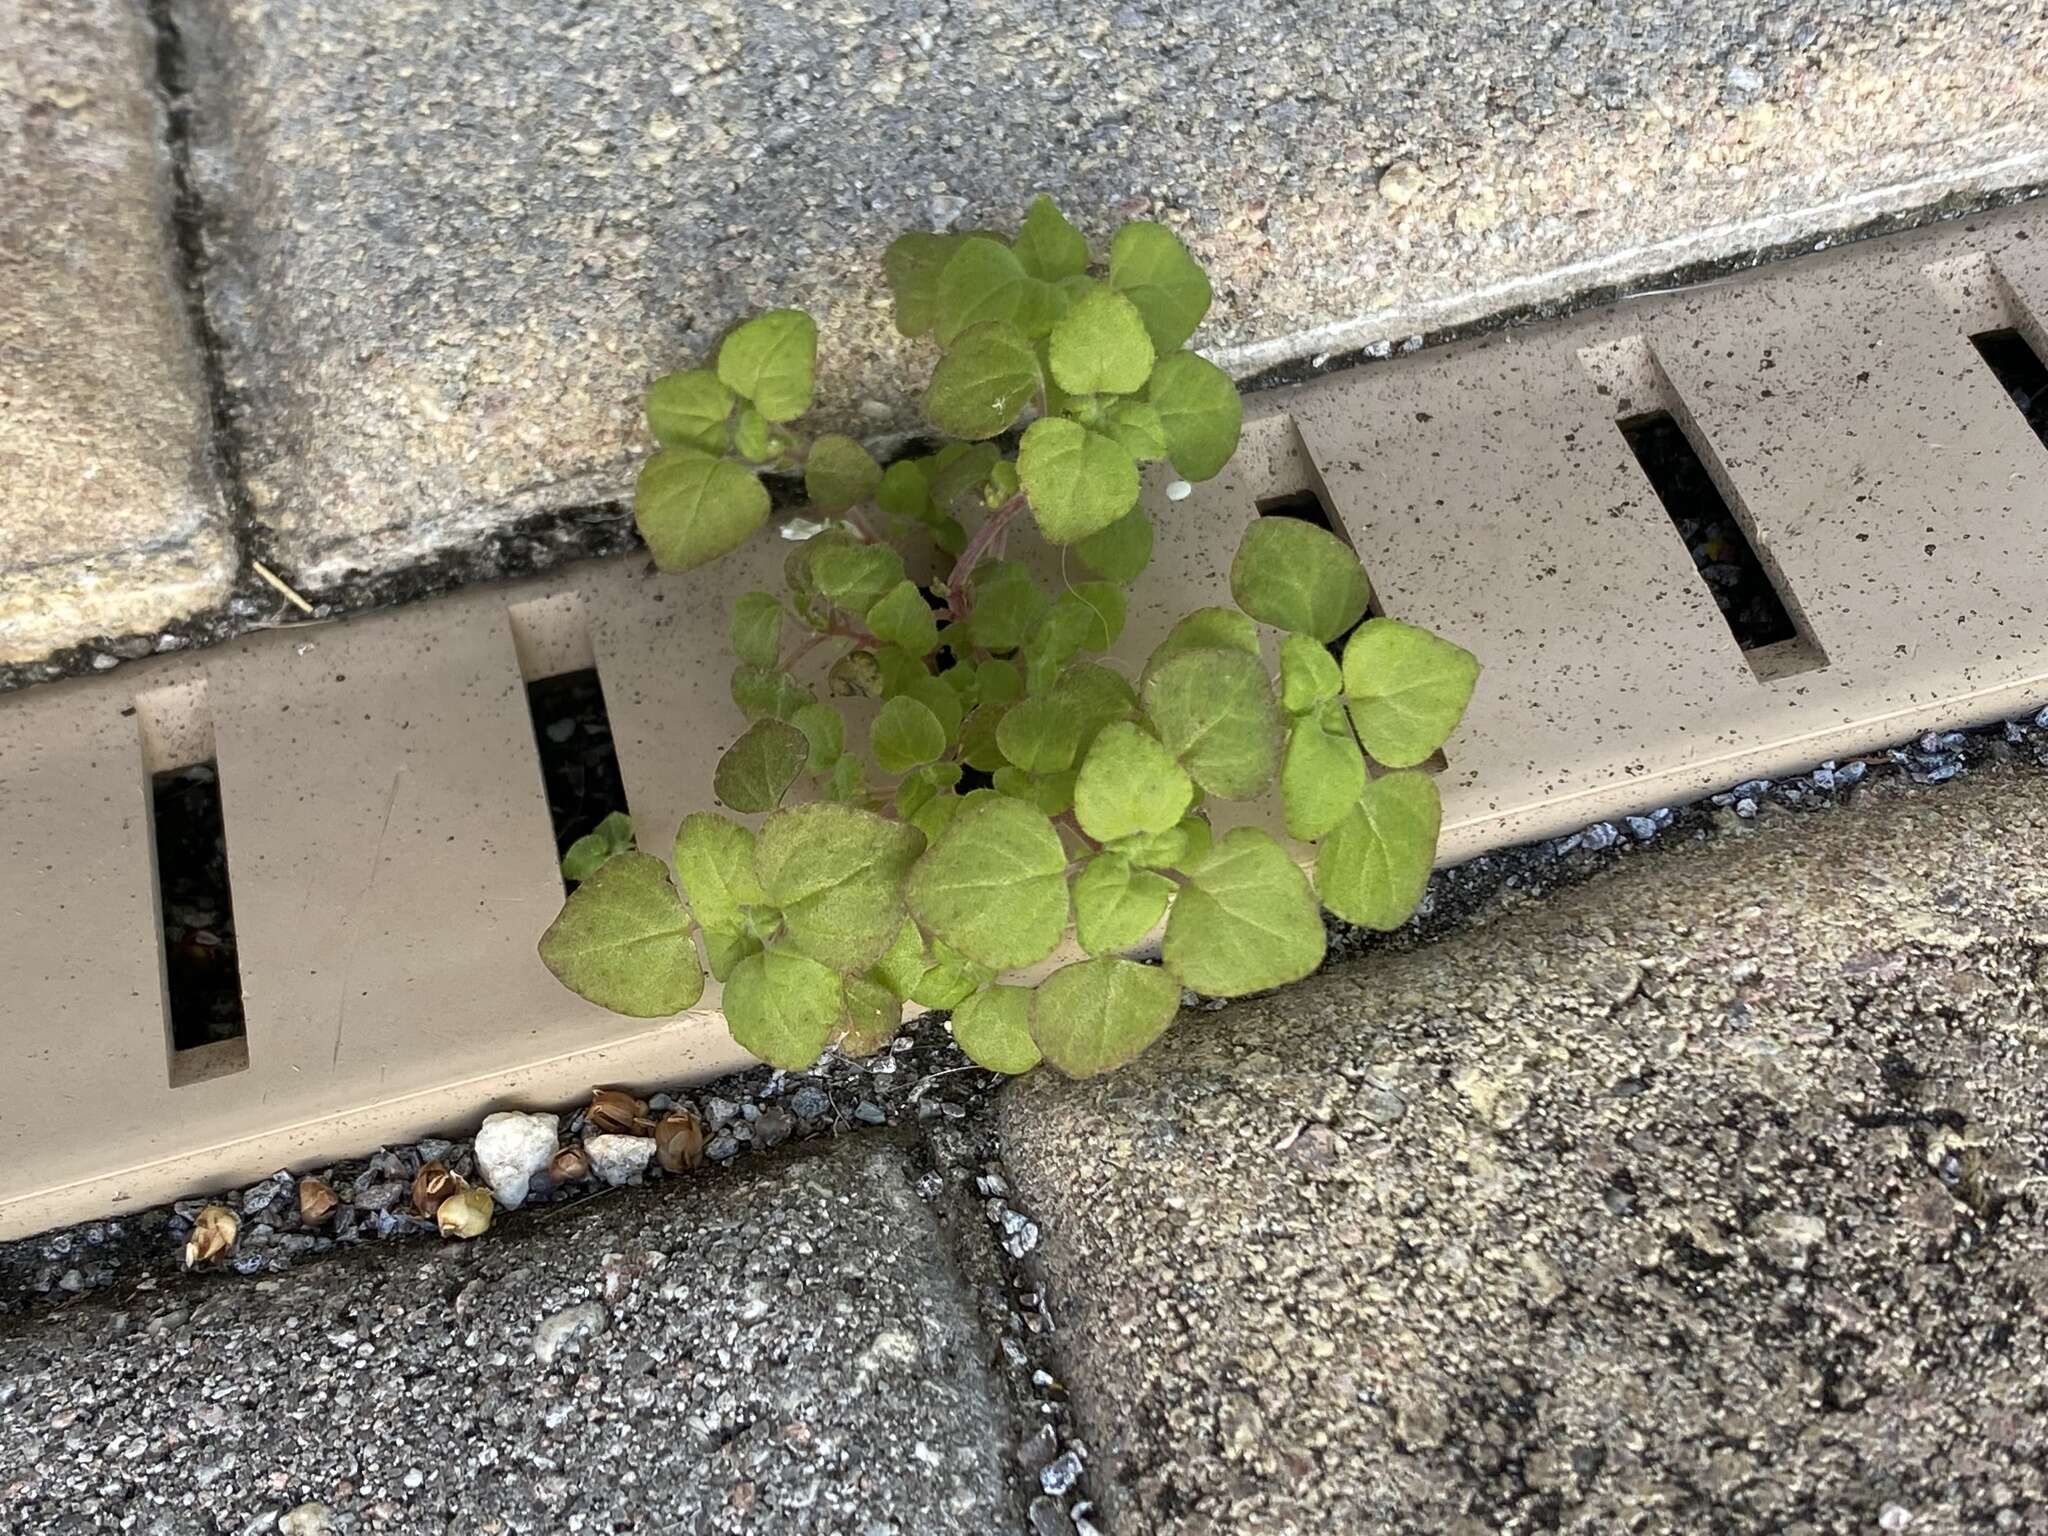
(783, 1007)
(1308, 674)
(994, 887)
(1007, 603)
(1098, 1014)
(902, 965)
(1121, 551)
(993, 1028)
(837, 874)
(757, 770)
(987, 376)
(903, 618)
(1373, 868)
(1407, 689)
(912, 264)
(1298, 577)
(1206, 629)
(1200, 415)
(754, 439)
(623, 941)
(998, 682)
(873, 1017)
(1115, 906)
(950, 978)
(1214, 711)
(1039, 735)
(1047, 245)
(983, 281)
(1245, 920)
(724, 949)
(905, 493)
(1320, 777)
(715, 863)
(1174, 848)
(762, 693)
(756, 628)
(1100, 345)
(840, 473)
(1079, 481)
(1129, 784)
(825, 730)
(770, 361)
(691, 508)
(905, 734)
(689, 410)
(856, 576)
(1100, 607)
(1155, 272)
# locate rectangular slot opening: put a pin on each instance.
(2014, 363)
(572, 730)
(203, 1014)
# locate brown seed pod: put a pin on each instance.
(317, 1201)
(679, 1142)
(433, 1184)
(213, 1236)
(615, 1113)
(570, 1165)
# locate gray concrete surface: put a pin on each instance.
(455, 241)
(784, 1348)
(1703, 1197)
(109, 517)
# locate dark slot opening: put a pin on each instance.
(201, 973)
(1727, 563)
(2019, 368)
(579, 764)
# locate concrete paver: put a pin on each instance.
(110, 520)
(1702, 1197)
(783, 1349)
(455, 244)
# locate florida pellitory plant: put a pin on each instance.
(1016, 786)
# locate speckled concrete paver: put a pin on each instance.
(110, 520)
(1705, 1197)
(783, 1349)
(455, 240)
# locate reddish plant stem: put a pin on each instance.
(985, 537)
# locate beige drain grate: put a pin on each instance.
(390, 850)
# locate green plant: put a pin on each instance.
(1015, 785)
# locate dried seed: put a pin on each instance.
(571, 1165)
(614, 1113)
(434, 1183)
(465, 1214)
(213, 1236)
(679, 1142)
(317, 1201)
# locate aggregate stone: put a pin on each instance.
(782, 1349)
(1713, 1203)
(112, 520)
(455, 240)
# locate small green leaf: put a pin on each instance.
(994, 886)
(980, 739)
(1373, 868)
(902, 965)
(856, 576)
(757, 770)
(1094, 696)
(1079, 481)
(1245, 920)
(1174, 848)
(715, 863)
(998, 682)
(837, 874)
(756, 628)
(1320, 777)
(993, 1028)
(1200, 414)
(763, 693)
(1136, 425)
(1121, 551)
(691, 508)
(840, 473)
(1053, 642)
(987, 376)
(1115, 906)
(1214, 711)
(1308, 674)
(587, 855)
(912, 264)
(1048, 246)
(950, 979)
(1039, 735)
(783, 1007)
(905, 734)
(689, 410)
(1003, 483)
(1098, 1014)
(982, 281)
(1100, 345)
(904, 493)
(922, 785)
(623, 941)
(754, 439)
(1206, 629)
(1298, 577)
(770, 360)
(848, 780)
(825, 730)
(934, 694)
(1407, 689)
(958, 471)
(1155, 272)
(1052, 793)
(1100, 606)
(1129, 784)
(904, 618)
(1007, 603)
(724, 950)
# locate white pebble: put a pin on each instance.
(1180, 490)
(619, 1159)
(510, 1149)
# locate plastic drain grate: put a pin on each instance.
(1843, 430)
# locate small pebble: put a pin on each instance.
(1059, 1476)
(869, 1113)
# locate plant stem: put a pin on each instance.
(984, 537)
